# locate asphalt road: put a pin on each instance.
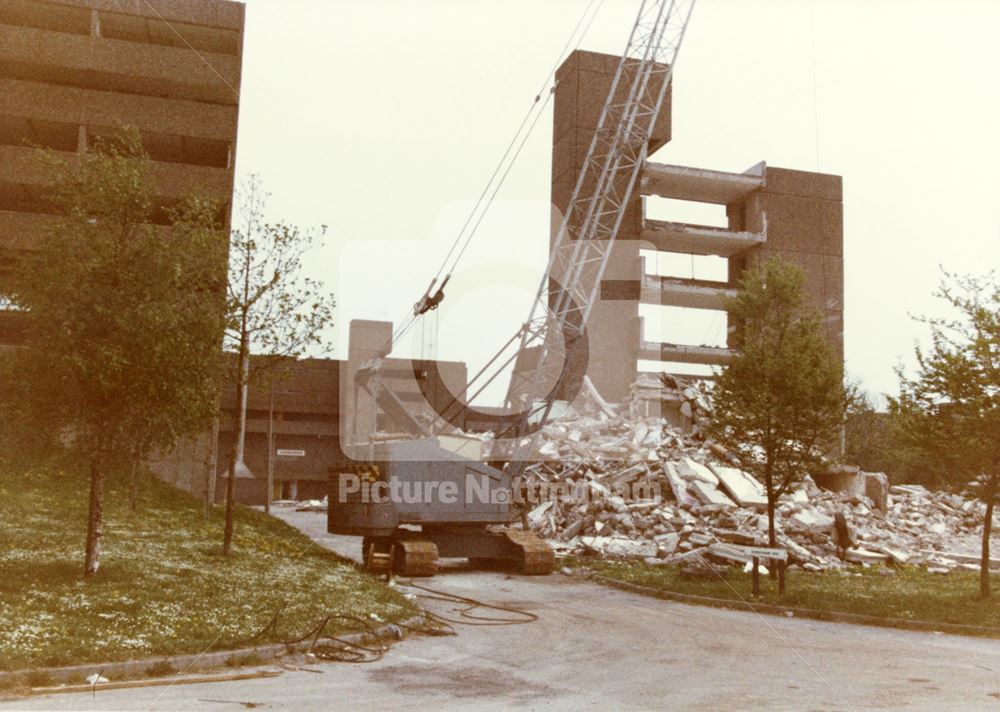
(600, 648)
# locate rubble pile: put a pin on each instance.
(640, 480)
(648, 394)
(642, 488)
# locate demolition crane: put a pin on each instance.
(470, 500)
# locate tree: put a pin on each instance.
(950, 412)
(270, 307)
(123, 317)
(781, 401)
(873, 441)
(867, 434)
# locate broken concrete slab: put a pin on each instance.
(865, 556)
(536, 517)
(667, 543)
(678, 486)
(912, 490)
(963, 558)
(730, 552)
(710, 494)
(699, 539)
(744, 489)
(693, 470)
(876, 488)
(895, 555)
(811, 519)
(620, 547)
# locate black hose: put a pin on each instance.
(342, 650)
(471, 604)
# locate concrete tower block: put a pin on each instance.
(583, 83)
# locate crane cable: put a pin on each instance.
(432, 298)
(535, 103)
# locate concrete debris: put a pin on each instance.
(897, 556)
(973, 559)
(761, 569)
(911, 490)
(863, 556)
(744, 489)
(810, 519)
(710, 494)
(848, 478)
(726, 551)
(311, 505)
(591, 393)
(638, 486)
(693, 470)
(619, 547)
(677, 485)
(681, 403)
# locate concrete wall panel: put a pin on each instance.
(800, 224)
(803, 183)
(198, 12)
(123, 66)
(47, 102)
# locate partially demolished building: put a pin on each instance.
(771, 211)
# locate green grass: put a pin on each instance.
(163, 587)
(911, 593)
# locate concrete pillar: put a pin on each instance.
(367, 340)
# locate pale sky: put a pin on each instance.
(383, 120)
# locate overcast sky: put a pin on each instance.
(383, 119)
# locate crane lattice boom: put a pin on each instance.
(582, 246)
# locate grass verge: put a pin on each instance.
(909, 593)
(163, 587)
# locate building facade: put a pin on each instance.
(769, 211)
(73, 70)
(303, 416)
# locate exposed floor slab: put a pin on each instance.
(698, 239)
(679, 353)
(698, 184)
(691, 294)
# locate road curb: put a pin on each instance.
(190, 662)
(809, 613)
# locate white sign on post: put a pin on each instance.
(762, 552)
(290, 453)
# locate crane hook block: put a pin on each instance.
(429, 302)
(421, 304)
